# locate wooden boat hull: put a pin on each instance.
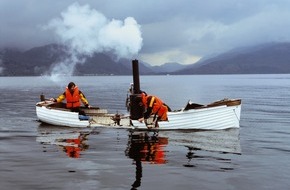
(211, 118)
(60, 117)
(56, 114)
(219, 115)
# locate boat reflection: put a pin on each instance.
(144, 147)
(226, 141)
(205, 146)
(208, 150)
(71, 141)
(147, 147)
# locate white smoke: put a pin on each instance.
(86, 31)
(66, 66)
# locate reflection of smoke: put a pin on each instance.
(85, 31)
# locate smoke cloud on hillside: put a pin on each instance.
(85, 31)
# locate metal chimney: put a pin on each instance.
(136, 109)
(136, 81)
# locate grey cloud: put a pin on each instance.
(193, 26)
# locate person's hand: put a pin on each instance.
(52, 99)
(89, 106)
(141, 119)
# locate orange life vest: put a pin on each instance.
(158, 107)
(72, 100)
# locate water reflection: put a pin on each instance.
(71, 141)
(206, 147)
(206, 150)
(226, 141)
(74, 146)
(144, 147)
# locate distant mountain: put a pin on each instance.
(168, 68)
(32, 62)
(40, 60)
(272, 58)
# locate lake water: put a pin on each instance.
(256, 156)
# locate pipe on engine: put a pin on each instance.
(136, 81)
(136, 108)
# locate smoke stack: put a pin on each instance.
(136, 110)
(136, 81)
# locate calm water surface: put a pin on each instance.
(256, 156)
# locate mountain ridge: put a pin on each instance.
(271, 58)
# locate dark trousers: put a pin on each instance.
(77, 109)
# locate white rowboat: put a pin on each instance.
(218, 115)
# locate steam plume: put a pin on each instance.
(86, 31)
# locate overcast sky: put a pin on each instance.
(170, 30)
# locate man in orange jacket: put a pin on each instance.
(154, 106)
(73, 97)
